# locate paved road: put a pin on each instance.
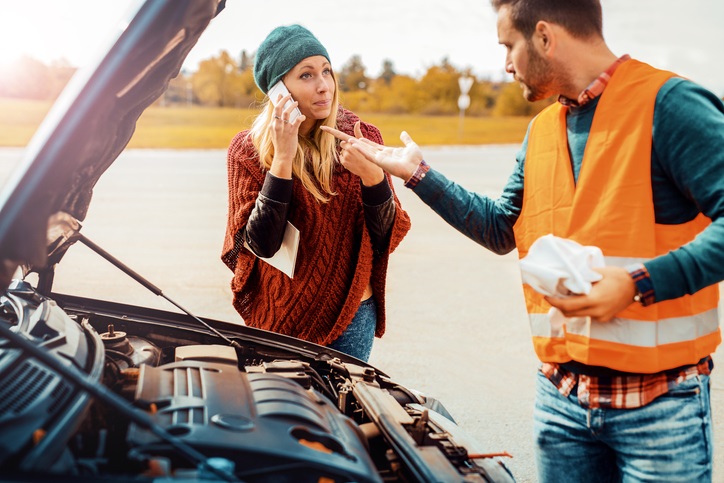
(457, 328)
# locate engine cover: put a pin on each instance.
(267, 424)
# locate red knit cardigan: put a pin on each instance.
(335, 259)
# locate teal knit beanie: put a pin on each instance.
(284, 48)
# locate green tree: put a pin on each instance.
(440, 89)
(245, 61)
(510, 102)
(402, 95)
(249, 93)
(483, 95)
(352, 76)
(218, 82)
(27, 78)
(180, 90)
(388, 71)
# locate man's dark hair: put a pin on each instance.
(581, 18)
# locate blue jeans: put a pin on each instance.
(669, 439)
(357, 338)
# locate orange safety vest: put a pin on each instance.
(612, 207)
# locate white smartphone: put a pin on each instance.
(280, 88)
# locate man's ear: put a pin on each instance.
(545, 37)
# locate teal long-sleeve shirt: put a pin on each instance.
(687, 176)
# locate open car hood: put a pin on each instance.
(89, 126)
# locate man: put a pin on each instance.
(631, 160)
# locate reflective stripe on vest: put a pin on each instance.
(631, 332)
(611, 207)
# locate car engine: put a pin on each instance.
(168, 391)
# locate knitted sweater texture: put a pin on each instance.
(335, 260)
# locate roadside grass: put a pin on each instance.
(213, 128)
(19, 120)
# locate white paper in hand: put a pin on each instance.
(285, 259)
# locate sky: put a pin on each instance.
(686, 37)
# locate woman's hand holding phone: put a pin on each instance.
(284, 130)
(279, 89)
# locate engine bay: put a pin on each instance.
(254, 412)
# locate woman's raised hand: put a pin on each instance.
(400, 162)
(355, 161)
(284, 137)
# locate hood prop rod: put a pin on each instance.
(157, 291)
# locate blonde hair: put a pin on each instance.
(316, 155)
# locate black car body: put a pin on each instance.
(100, 391)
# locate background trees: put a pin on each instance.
(29, 78)
(228, 81)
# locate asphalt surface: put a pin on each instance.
(457, 328)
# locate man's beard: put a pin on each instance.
(538, 81)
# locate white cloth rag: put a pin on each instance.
(561, 267)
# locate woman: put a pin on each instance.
(346, 211)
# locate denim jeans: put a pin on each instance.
(357, 339)
(669, 439)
